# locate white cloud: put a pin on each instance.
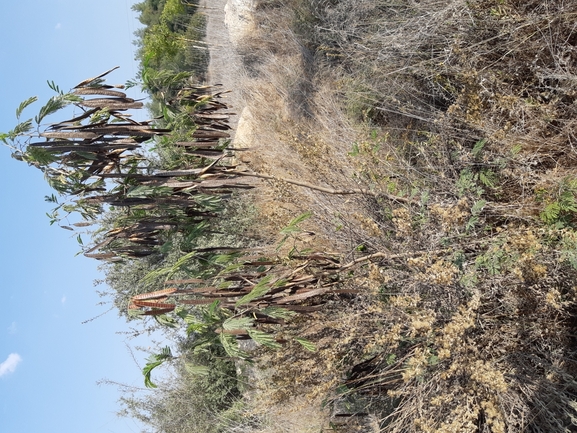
(58, 26)
(9, 366)
(63, 300)
(13, 328)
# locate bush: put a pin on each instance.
(189, 401)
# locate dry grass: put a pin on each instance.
(465, 109)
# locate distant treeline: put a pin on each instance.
(172, 38)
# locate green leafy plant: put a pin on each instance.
(475, 211)
(153, 362)
(467, 184)
(292, 228)
(479, 145)
(560, 211)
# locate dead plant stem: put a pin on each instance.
(323, 189)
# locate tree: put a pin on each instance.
(199, 394)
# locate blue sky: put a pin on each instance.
(50, 361)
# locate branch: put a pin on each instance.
(326, 190)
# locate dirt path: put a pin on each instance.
(224, 63)
(269, 122)
(228, 22)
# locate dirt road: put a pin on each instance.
(227, 22)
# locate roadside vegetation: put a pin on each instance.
(458, 116)
(420, 177)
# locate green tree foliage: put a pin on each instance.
(161, 43)
(201, 391)
(172, 38)
(149, 10)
